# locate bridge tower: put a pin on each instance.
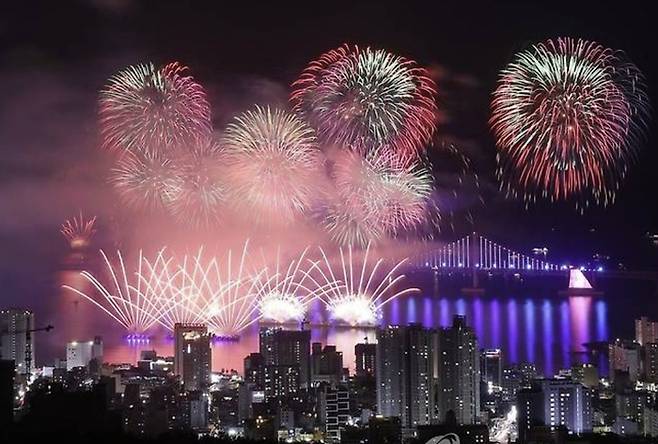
(474, 262)
(474, 258)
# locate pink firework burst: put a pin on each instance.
(274, 163)
(379, 193)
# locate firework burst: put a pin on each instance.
(144, 107)
(125, 296)
(198, 288)
(366, 98)
(394, 188)
(201, 188)
(281, 308)
(283, 295)
(236, 308)
(194, 289)
(274, 163)
(78, 231)
(349, 224)
(146, 179)
(567, 116)
(167, 290)
(356, 289)
(381, 193)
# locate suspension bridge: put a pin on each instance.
(476, 254)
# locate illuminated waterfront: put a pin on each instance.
(547, 331)
(529, 325)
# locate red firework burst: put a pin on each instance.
(567, 116)
(367, 98)
(147, 108)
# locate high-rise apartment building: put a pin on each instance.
(192, 355)
(366, 354)
(281, 380)
(326, 364)
(288, 348)
(625, 356)
(81, 353)
(405, 375)
(646, 331)
(336, 408)
(14, 345)
(254, 370)
(553, 403)
(459, 372)
(491, 367)
(651, 362)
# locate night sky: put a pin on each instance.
(55, 56)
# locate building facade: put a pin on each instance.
(254, 370)
(405, 375)
(326, 364)
(281, 380)
(650, 421)
(14, 345)
(337, 412)
(192, 355)
(650, 369)
(366, 355)
(646, 331)
(491, 370)
(288, 348)
(625, 356)
(555, 403)
(80, 354)
(459, 372)
(586, 374)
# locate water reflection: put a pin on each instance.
(580, 309)
(495, 322)
(565, 334)
(548, 339)
(512, 347)
(601, 324)
(477, 318)
(530, 326)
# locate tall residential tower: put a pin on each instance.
(192, 355)
(14, 345)
(405, 375)
(459, 372)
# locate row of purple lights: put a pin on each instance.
(547, 267)
(464, 252)
(525, 328)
